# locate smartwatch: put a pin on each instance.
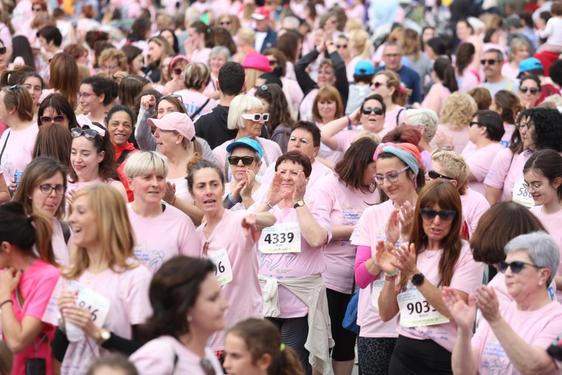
(418, 279)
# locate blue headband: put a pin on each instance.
(406, 157)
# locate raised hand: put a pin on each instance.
(406, 218)
(463, 314)
(250, 179)
(170, 193)
(406, 260)
(300, 187)
(9, 280)
(384, 257)
(147, 102)
(392, 229)
(488, 303)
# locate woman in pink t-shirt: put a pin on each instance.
(161, 231)
(26, 284)
(41, 191)
(457, 112)
(387, 84)
(444, 83)
(228, 238)
(512, 338)
(327, 107)
(543, 179)
(435, 256)
(507, 104)
(188, 306)
(103, 297)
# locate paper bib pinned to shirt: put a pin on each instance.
(416, 311)
(281, 238)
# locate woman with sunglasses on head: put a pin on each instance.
(27, 280)
(369, 118)
(247, 115)
(398, 176)
(414, 273)
(244, 157)
(536, 129)
(387, 84)
(103, 297)
(91, 158)
(280, 122)
(485, 133)
(177, 73)
(543, 179)
(16, 142)
(42, 192)
(33, 83)
(55, 109)
(512, 337)
(188, 307)
(228, 238)
(529, 90)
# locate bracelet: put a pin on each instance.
(348, 121)
(5, 302)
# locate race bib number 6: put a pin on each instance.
(281, 238)
(221, 260)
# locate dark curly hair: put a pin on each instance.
(548, 129)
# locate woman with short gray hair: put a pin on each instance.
(512, 337)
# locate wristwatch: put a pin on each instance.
(418, 279)
(299, 204)
(104, 336)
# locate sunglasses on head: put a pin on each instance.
(47, 119)
(246, 160)
(375, 111)
(488, 61)
(256, 116)
(516, 266)
(88, 133)
(434, 175)
(429, 214)
(532, 90)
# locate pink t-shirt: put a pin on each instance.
(479, 161)
(538, 328)
(182, 190)
(35, 287)
(369, 230)
(160, 238)
(158, 356)
(468, 80)
(243, 293)
(459, 137)
(506, 169)
(393, 118)
(310, 261)
(467, 276)
(293, 92)
(193, 100)
(345, 206)
(436, 97)
(128, 295)
(305, 108)
(18, 151)
(474, 205)
(271, 151)
(506, 139)
(62, 256)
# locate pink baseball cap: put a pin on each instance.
(177, 121)
(257, 61)
(261, 13)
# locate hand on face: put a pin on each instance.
(406, 260)
(9, 280)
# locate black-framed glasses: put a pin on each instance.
(430, 214)
(256, 116)
(374, 110)
(531, 90)
(88, 133)
(47, 119)
(488, 62)
(434, 175)
(391, 177)
(516, 266)
(48, 188)
(246, 160)
(207, 366)
(378, 84)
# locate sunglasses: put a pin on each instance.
(338, 46)
(246, 160)
(47, 119)
(224, 23)
(430, 213)
(48, 188)
(375, 111)
(256, 116)
(2, 50)
(532, 90)
(516, 266)
(88, 133)
(391, 177)
(378, 84)
(488, 61)
(178, 71)
(434, 175)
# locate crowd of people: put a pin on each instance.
(280, 187)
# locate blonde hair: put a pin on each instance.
(453, 166)
(239, 105)
(458, 110)
(114, 54)
(115, 234)
(360, 43)
(251, 77)
(246, 35)
(143, 163)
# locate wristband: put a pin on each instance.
(5, 302)
(348, 122)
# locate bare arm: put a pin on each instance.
(493, 195)
(18, 336)
(388, 303)
(312, 232)
(342, 232)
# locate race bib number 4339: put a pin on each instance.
(281, 238)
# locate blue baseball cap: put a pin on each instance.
(248, 143)
(530, 64)
(364, 68)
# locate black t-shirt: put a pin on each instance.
(212, 127)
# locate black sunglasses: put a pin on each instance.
(378, 84)
(433, 175)
(488, 61)
(88, 133)
(47, 119)
(532, 90)
(429, 214)
(516, 266)
(2, 50)
(375, 111)
(246, 160)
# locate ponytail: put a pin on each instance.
(446, 73)
(289, 363)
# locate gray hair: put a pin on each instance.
(541, 249)
(219, 51)
(143, 163)
(423, 117)
(240, 104)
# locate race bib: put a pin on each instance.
(97, 304)
(376, 289)
(223, 270)
(415, 310)
(521, 195)
(281, 238)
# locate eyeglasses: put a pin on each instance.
(534, 185)
(246, 160)
(47, 119)
(207, 367)
(224, 23)
(430, 214)
(515, 266)
(523, 125)
(301, 140)
(88, 133)
(434, 175)
(532, 90)
(375, 111)
(2, 50)
(488, 61)
(48, 188)
(338, 46)
(256, 116)
(178, 71)
(378, 84)
(391, 177)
